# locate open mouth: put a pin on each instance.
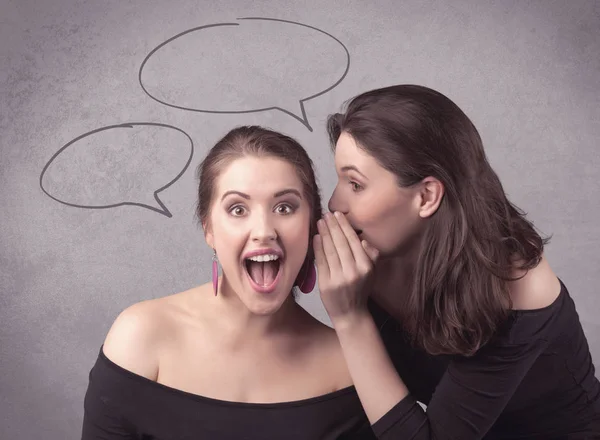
(358, 231)
(263, 271)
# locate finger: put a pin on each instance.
(341, 244)
(360, 254)
(370, 251)
(320, 260)
(331, 254)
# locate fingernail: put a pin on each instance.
(338, 214)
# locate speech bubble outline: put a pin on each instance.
(163, 209)
(303, 119)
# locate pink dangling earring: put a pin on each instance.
(215, 272)
(310, 278)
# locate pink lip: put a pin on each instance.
(264, 251)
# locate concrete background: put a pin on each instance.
(82, 234)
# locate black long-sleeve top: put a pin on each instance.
(535, 380)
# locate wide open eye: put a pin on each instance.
(237, 210)
(285, 209)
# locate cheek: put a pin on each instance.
(370, 211)
(295, 237)
(387, 224)
(229, 237)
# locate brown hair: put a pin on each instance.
(459, 295)
(261, 142)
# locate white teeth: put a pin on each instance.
(263, 258)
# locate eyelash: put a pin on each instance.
(291, 208)
(234, 208)
(354, 186)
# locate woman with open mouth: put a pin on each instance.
(236, 358)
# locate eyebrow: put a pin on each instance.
(353, 168)
(277, 194)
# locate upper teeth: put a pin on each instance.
(266, 257)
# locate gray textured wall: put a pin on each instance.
(526, 72)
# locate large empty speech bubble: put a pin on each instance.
(118, 165)
(255, 65)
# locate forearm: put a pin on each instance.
(376, 380)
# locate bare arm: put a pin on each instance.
(365, 354)
(472, 393)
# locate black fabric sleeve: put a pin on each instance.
(473, 391)
(101, 421)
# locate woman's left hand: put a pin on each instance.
(344, 265)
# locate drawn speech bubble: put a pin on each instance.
(118, 165)
(257, 65)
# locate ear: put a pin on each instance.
(432, 193)
(208, 235)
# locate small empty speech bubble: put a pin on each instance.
(255, 65)
(118, 165)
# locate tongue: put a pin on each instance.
(263, 274)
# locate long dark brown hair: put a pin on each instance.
(258, 141)
(459, 295)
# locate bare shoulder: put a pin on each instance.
(329, 357)
(134, 339)
(539, 288)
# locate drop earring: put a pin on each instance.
(310, 278)
(215, 272)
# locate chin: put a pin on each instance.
(264, 304)
(264, 307)
(382, 248)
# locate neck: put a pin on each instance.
(242, 325)
(393, 280)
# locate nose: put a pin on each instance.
(336, 202)
(263, 228)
